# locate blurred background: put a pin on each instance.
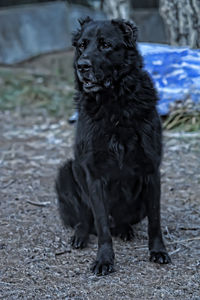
(36, 55)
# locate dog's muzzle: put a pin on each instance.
(88, 79)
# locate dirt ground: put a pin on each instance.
(36, 260)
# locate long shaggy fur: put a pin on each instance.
(114, 179)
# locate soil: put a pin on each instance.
(36, 259)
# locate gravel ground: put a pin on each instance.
(36, 260)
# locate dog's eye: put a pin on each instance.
(105, 45)
(82, 45)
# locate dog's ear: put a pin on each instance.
(75, 37)
(77, 34)
(129, 30)
(84, 21)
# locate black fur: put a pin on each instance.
(114, 179)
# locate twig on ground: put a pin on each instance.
(8, 184)
(175, 251)
(183, 241)
(39, 203)
(171, 243)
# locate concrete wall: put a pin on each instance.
(31, 30)
(27, 31)
(150, 25)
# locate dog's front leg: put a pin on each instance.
(157, 248)
(105, 257)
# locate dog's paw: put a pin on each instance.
(79, 241)
(126, 233)
(104, 264)
(102, 268)
(160, 257)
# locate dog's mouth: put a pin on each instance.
(90, 83)
(90, 86)
(94, 86)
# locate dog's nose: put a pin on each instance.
(84, 65)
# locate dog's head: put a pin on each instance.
(102, 52)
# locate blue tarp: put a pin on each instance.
(175, 72)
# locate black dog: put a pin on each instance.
(114, 179)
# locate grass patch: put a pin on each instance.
(25, 92)
(22, 91)
(184, 116)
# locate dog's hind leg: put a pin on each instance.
(73, 210)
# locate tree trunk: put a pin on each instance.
(117, 8)
(182, 19)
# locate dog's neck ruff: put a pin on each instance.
(129, 95)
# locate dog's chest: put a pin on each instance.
(107, 142)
